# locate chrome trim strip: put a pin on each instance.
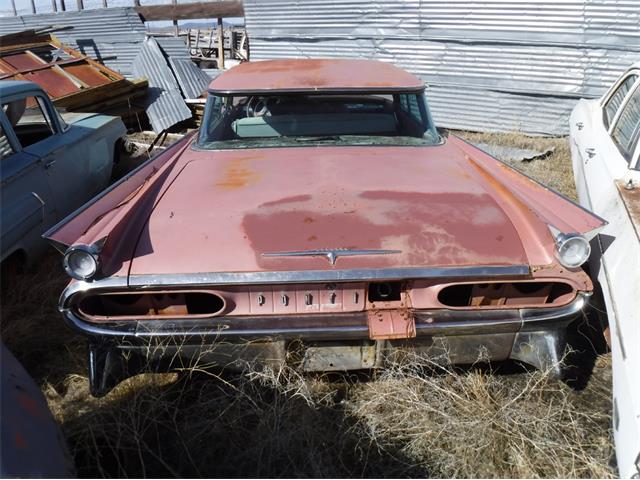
(317, 276)
(537, 317)
(331, 254)
(317, 91)
(444, 322)
(300, 276)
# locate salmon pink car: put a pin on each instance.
(319, 217)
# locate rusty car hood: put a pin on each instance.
(225, 209)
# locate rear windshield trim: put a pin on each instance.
(320, 91)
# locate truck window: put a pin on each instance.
(30, 120)
(5, 147)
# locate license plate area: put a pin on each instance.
(391, 324)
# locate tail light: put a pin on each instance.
(151, 305)
(507, 293)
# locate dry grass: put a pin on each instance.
(554, 171)
(413, 419)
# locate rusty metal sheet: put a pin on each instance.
(88, 75)
(71, 79)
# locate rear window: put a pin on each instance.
(247, 121)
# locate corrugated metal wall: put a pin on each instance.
(491, 66)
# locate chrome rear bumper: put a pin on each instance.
(336, 342)
(349, 326)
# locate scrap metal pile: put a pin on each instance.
(72, 80)
(105, 61)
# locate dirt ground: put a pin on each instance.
(412, 419)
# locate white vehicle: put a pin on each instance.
(605, 148)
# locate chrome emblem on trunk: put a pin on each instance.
(330, 254)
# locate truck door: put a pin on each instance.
(27, 207)
(63, 150)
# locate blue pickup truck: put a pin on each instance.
(50, 164)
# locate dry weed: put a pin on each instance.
(554, 171)
(475, 424)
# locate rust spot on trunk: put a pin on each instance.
(238, 174)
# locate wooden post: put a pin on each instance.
(33, 7)
(63, 6)
(13, 5)
(54, 6)
(104, 4)
(80, 4)
(176, 30)
(232, 43)
(220, 44)
(136, 3)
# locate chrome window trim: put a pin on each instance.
(614, 88)
(319, 91)
(625, 101)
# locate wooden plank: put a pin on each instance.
(220, 33)
(188, 11)
(102, 94)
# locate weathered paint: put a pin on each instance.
(310, 75)
(430, 211)
(439, 209)
(31, 444)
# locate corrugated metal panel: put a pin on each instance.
(490, 64)
(212, 72)
(193, 81)
(173, 47)
(165, 105)
(112, 35)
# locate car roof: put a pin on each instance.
(11, 87)
(312, 75)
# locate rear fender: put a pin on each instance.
(107, 212)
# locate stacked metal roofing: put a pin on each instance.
(496, 65)
(112, 36)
